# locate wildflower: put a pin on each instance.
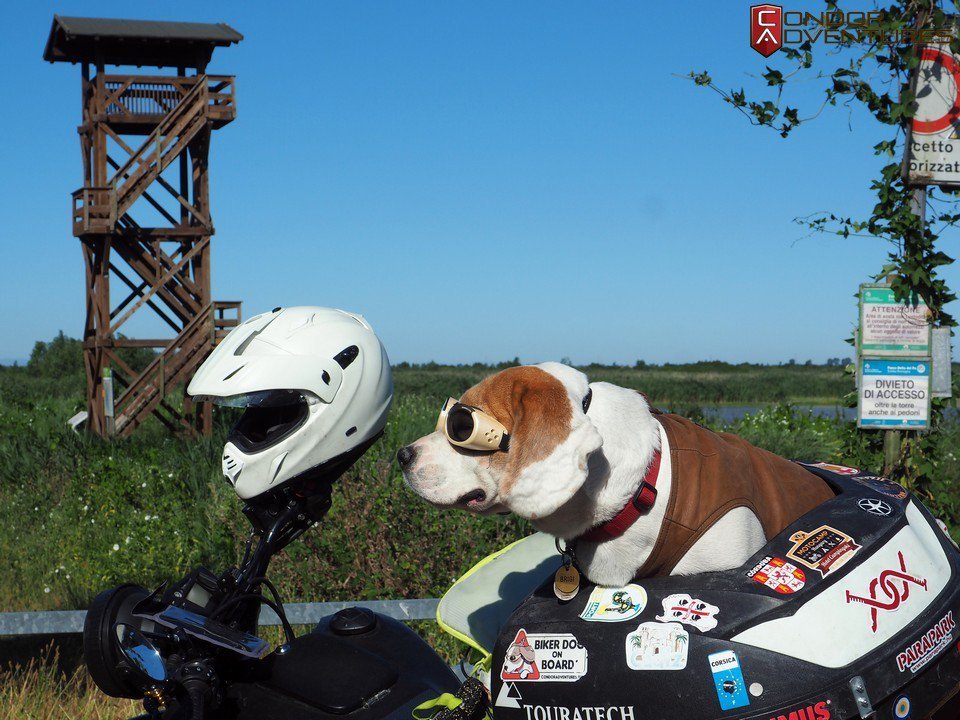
(46, 589)
(115, 547)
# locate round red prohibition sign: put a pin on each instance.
(948, 118)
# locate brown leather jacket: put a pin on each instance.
(712, 473)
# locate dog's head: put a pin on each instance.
(550, 439)
(520, 654)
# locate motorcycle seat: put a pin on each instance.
(476, 607)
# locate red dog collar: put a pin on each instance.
(639, 504)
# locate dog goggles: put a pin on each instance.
(469, 427)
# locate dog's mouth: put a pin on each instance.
(472, 499)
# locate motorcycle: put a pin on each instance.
(848, 613)
(190, 650)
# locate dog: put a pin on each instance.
(519, 660)
(636, 492)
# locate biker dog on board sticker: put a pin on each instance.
(535, 657)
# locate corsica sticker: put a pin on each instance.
(823, 549)
(777, 574)
(728, 680)
(683, 608)
(609, 604)
(916, 655)
(544, 657)
(657, 646)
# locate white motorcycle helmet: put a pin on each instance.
(316, 385)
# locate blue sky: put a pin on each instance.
(481, 180)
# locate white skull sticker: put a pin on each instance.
(689, 610)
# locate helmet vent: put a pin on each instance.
(250, 338)
(347, 356)
(234, 372)
(325, 377)
(231, 468)
(351, 431)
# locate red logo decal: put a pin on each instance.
(766, 28)
(820, 711)
(893, 592)
(777, 574)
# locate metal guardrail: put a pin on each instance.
(69, 622)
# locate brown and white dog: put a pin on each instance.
(571, 472)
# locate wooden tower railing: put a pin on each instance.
(143, 212)
(165, 269)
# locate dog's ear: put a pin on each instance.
(550, 442)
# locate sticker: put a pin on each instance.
(777, 574)
(690, 611)
(566, 582)
(657, 646)
(838, 469)
(895, 588)
(916, 655)
(509, 696)
(592, 712)
(615, 604)
(882, 485)
(874, 506)
(823, 549)
(544, 656)
(728, 680)
(901, 708)
(817, 711)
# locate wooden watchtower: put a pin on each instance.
(143, 213)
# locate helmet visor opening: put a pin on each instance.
(262, 399)
(261, 426)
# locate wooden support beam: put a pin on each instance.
(162, 281)
(136, 291)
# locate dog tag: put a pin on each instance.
(566, 583)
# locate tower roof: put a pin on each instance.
(136, 42)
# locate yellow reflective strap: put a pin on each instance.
(483, 664)
(428, 709)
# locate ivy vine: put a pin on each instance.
(873, 73)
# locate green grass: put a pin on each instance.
(78, 514)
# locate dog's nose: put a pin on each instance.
(405, 455)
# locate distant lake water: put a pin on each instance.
(732, 413)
